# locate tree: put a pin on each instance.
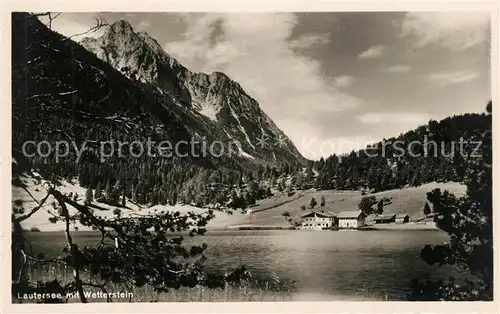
(88, 196)
(249, 199)
(427, 209)
(309, 175)
(173, 198)
(133, 194)
(468, 220)
(415, 181)
(286, 214)
(323, 201)
(239, 181)
(253, 187)
(299, 181)
(302, 207)
(313, 203)
(108, 193)
(366, 204)
(98, 192)
(380, 207)
(239, 201)
(281, 185)
(165, 263)
(117, 212)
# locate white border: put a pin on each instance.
(232, 6)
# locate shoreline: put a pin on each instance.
(406, 226)
(386, 227)
(375, 227)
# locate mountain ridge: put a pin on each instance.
(215, 95)
(62, 92)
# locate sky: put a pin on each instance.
(332, 81)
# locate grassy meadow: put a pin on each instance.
(410, 200)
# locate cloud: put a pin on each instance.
(452, 78)
(452, 30)
(68, 26)
(373, 52)
(315, 148)
(399, 69)
(412, 118)
(144, 24)
(306, 41)
(254, 50)
(344, 80)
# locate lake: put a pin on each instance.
(325, 265)
(329, 264)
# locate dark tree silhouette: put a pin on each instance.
(468, 221)
(427, 209)
(88, 196)
(323, 202)
(380, 207)
(366, 204)
(313, 203)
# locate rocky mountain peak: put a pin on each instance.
(219, 75)
(221, 78)
(215, 96)
(140, 57)
(122, 26)
(152, 43)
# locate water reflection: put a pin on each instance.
(327, 264)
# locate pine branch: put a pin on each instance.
(100, 22)
(34, 210)
(73, 249)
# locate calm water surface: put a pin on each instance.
(326, 264)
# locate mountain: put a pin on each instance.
(440, 151)
(63, 93)
(214, 96)
(123, 88)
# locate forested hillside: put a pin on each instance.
(63, 92)
(439, 151)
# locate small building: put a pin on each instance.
(351, 219)
(402, 218)
(317, 221)
(385, 219)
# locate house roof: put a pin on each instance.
(402, 215)
(350, 214)
(330, 214)
(385, 217)
(319, 214)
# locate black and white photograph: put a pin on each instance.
(251, 156)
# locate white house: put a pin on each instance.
(351, 219)
(402, 218)
(317, 221)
